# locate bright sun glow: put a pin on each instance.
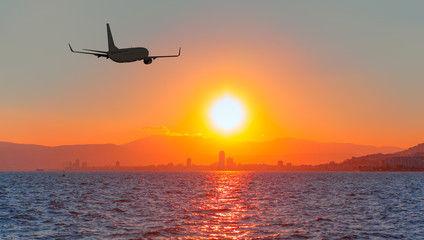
(227, 113)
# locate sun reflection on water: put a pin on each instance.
(222, 212)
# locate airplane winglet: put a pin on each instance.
(70, 47)
(179, 52)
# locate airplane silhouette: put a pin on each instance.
(122, 55)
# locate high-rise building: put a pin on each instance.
(188, 162)
(230, 164)
(280, 164)
(221, 164)
(118, 164)
(77, 163)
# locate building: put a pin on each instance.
(77, 164)
(118, 164)
(280, 164)
(403, 163)
(188, 161)
(221, 163)
(230, 164)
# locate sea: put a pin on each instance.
(212, 205)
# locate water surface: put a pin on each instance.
(211, 205)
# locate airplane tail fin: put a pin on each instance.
(110, 42)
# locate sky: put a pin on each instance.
(329, 71)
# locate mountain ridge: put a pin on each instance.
(163, 149)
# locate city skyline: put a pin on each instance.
(160, 150)
(411, 159)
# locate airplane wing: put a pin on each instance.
(95, 52)
(154, 57)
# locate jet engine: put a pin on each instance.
(148, 61)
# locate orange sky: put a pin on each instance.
(306, 77)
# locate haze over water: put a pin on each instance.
(220, 205)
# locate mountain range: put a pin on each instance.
(163, 149)
(375, 159)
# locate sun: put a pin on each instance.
(227, 114)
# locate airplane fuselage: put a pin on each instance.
(128, 54)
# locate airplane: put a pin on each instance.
(122, 55)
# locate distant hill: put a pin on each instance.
(27, 157)
(374, 158)
(154, 150)
(409, 159)
(412, 150)
(165, 149)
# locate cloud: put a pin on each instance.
(163, 130)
